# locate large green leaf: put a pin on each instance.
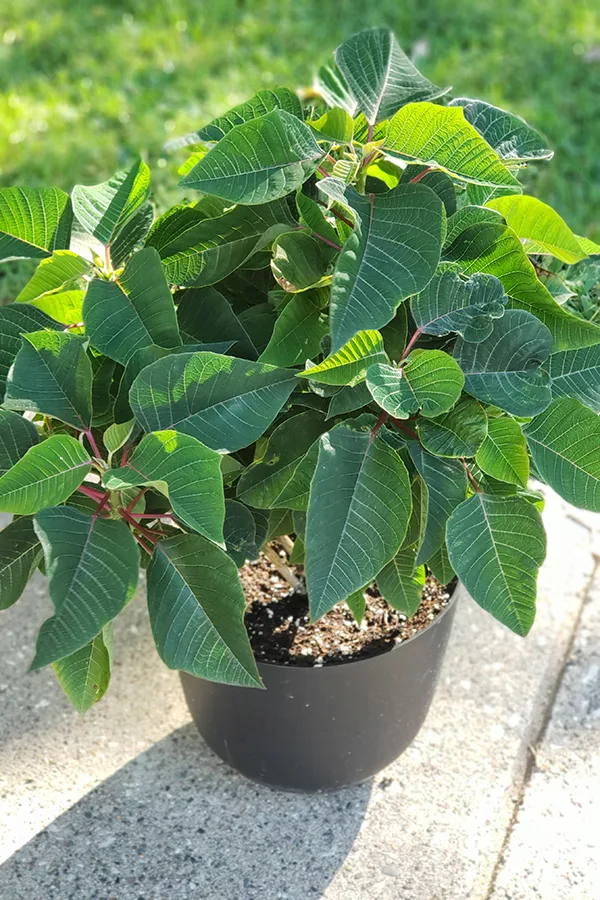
(199, 250)
(259, 161)
(196, 605)
(360, 504)
(20, 552)
(469, 215)
(439, 565)
(442, 137)
(92, 565)
(510, 136)
(226, 403)
(380, 75)
(205, 316)
(313, 216)
(63, 306)
(33, 222)
(348, 366)
(505, 369)
(401, 584)
(298, 332)
(503, 454)
(451, 304)
(259, 105)
(103, 209)
(539, 227)
(52, 374)
(299, 261)
(84, 675)
(263, 484)
(61, 271)
(47, 474)
(496, 546)
(392, 253)
(564, 442)
(576, 373)
(16, 320)
(446, 482)
(333, 87)
(349, 399)
(185, 471)
(457, 433)
(17, 435)
(429, 381)
(496, 249)
(134, 312)
(240, 533)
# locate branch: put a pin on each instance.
(281, 567)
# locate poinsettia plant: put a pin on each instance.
(339, 340)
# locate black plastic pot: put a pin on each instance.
(323, 728)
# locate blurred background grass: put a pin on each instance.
(86, 86)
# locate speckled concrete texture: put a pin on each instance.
(129, 804)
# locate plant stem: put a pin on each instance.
(323, 171)
(470, 477)
(148, 550)
(370, 133)
(337, 214)
(287, 543)
(421, 175)
(93, 444)
(411, 343)
(101, 505)
(326, 240)
(405, 428)
(382, 418)
(281, 567)
(136, 500)
(139, 516)
(150, 535)
(92, 492)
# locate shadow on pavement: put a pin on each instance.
(177, 823)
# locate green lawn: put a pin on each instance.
(83, 86)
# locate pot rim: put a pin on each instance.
(455, 593)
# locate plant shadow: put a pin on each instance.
(177, 823)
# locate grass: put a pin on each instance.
(85, 87)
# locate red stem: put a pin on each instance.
(337, 214)
(470, 477)
(93, 444)
(136, 500)
(149, 550)
(370, 133)
(326, 240)
(411, 343)
(405, 428)
(92, 492)
(323, 171)
(124, 455)
(150, 535)
(421, 175)
(382, 417)
(101, 506)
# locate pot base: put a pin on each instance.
(317, 729)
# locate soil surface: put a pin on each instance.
(279, 630)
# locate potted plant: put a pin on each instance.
(336, 360)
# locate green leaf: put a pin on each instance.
(84, 676)
(280, 523)
(564, 442)
(52, 374)
(335, 125)
(468, 216)
(205, 316)
(135, 312)
(92, 565)
(496, 546)
(263, 483)
(185, 471)
(299, 262)
(199, 250)
(503, 454)
(349, 399)
(394, 334)
(576, 373)
(64, 306)
(17, 435)
(505, 369)
(258, 161)
(392, 253)
(47, 474)
(360, 504)
(15, 321)
(439, 565)
(259, 105)
(333, 87)
(117, 435)
(240, 533)
(196, 605)
(450, 304)
(457, 433)
(441, 136)
(226, 403)
(428, 380)
(312, 215)
(539, 227)
(380, 75)
(496, 249)
(61, 271)
(20, 552)
(510, 136)
(349, 364)
(446, 482)
(401, 584)
(33, 222)
(358, 605)
(103, 209)
(298, 332)
(131, 234)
